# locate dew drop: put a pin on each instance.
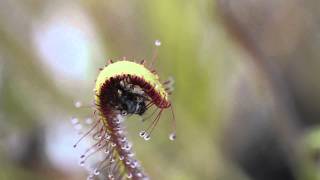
(82, 163)
(135, 163)
(82, 156)
(110, 176)
(139, 174)
(77, 104)
(142, 133)
(129, 176)
(123, 139)
(157, 42)
(121, 158)
(107, 151)
(147, 137)
(124, 113)
(119, 132)
(127, 147)
(113, 144)
(172, 136)
(96, 172)
(117, 121)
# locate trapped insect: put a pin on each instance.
(124, 88)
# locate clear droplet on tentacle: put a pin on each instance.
(157, 43)
(116, 121)
(123, 139)
(121, 158)
(142, 134)
(134, 164)
(127, 146)
(172, 136)
(139, 174)
(147, 137)
(124, 113)
(110, 176)
(81, 163)
(129, 176)
(107, 137)
(96, 172)
(112, 160)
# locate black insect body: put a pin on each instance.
(127, 98)
(131, 103)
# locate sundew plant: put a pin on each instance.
(123, 88)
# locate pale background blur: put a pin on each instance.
(246, 95)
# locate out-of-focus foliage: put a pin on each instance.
(50, 52)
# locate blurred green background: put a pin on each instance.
(50, 53)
